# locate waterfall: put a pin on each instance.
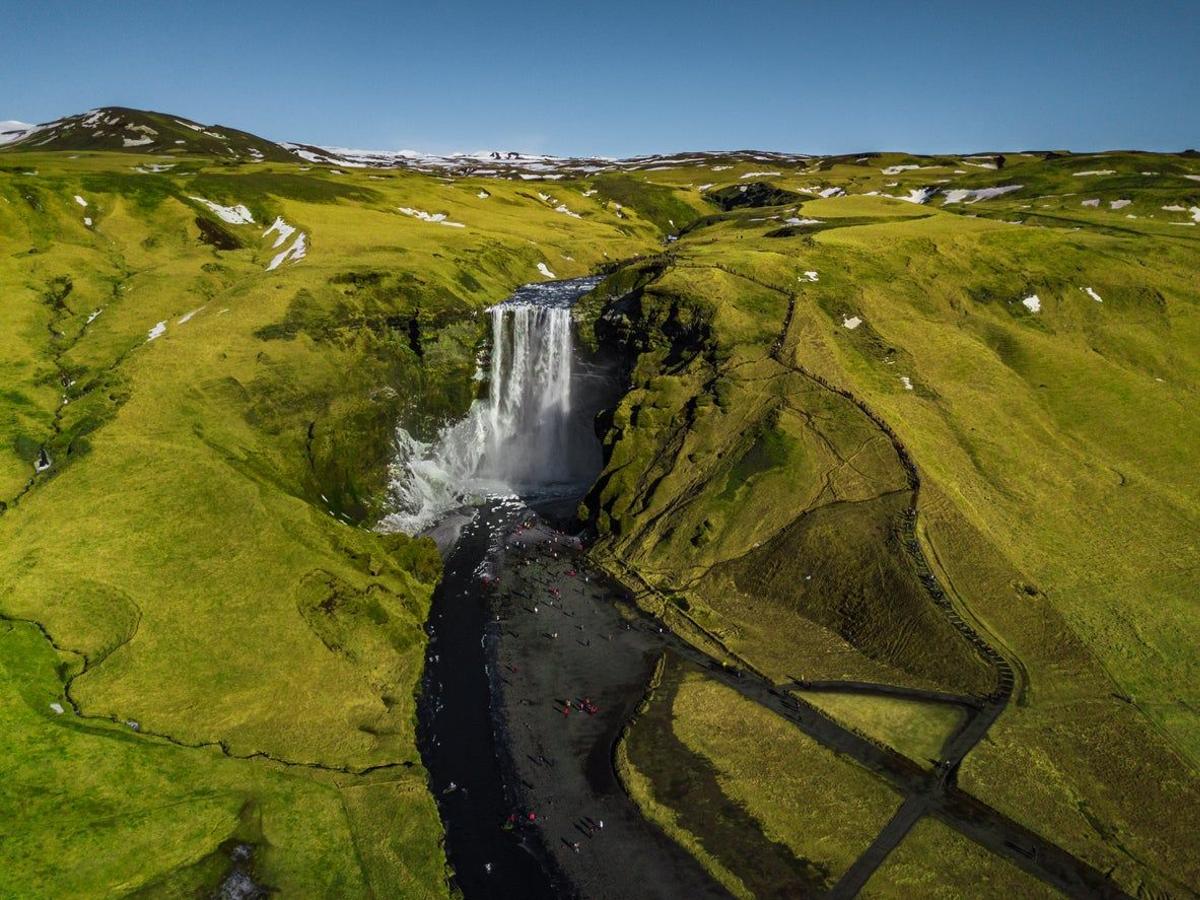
(521, 438)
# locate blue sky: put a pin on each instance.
(620, 78)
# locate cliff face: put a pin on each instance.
(766, 505)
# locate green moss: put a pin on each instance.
(659, 204)
(255, 189)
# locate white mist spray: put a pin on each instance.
(519, 438)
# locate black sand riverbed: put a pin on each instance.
(520, 631)
(568, 672)
(531, 675)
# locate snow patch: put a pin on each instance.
(1094, 203)
(92, 316)
(907, 382)
(896, 170)
(798, 221)
(234, 215)
(1095, 172)
(809, 276)
(283, 228)
(137, 142)
(187, 317)
(851, 322)
(918, 195)
(12, 130)
(433, 218)
(759, 174)
(1118, 204)
(1033, 303)
(157, 331)
(962, 195)
(546, 273)
(80, 200)
(1091, 293)
(57, 708)
(296, 252)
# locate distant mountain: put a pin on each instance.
(507, 163)
(117, 128)
(137, 131)
(11, 129)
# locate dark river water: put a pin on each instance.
(456, 736)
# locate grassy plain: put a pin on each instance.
(784, 820)
(937, 862)
(916, 728)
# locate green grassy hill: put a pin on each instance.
(1054, 439)
(204, 360)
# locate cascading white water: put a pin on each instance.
(520, 438)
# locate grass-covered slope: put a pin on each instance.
(1034, 359)
(197, 419)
